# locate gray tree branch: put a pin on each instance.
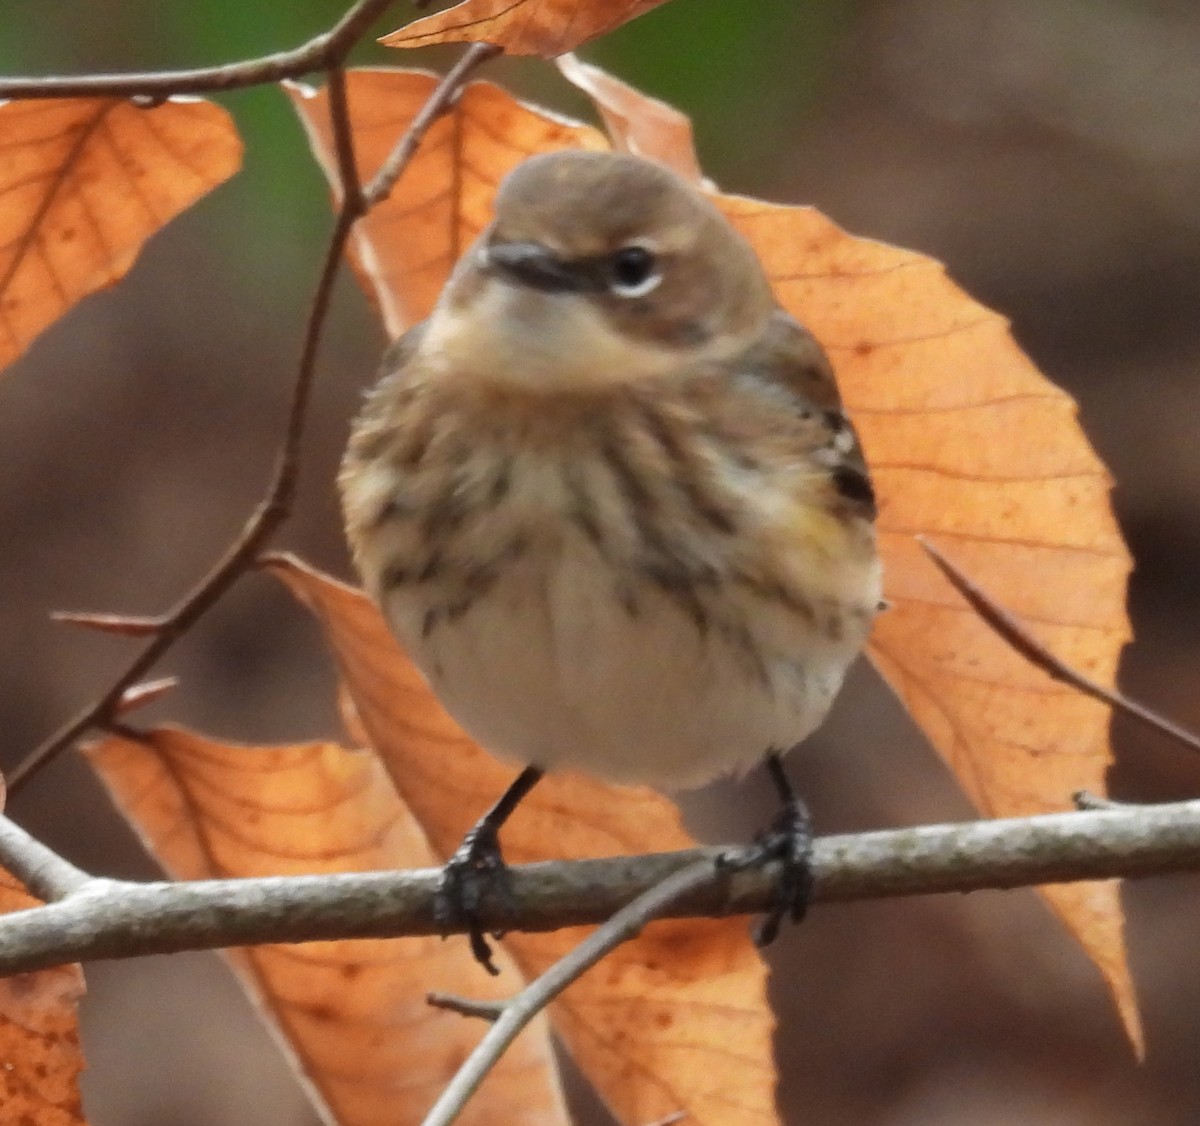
(118, 919)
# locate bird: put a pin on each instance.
(608, 499)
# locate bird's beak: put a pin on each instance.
(533, 265)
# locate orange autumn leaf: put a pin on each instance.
(972, 447)
(521, 27)
(676, 1020)
(85, 181)
(353, 1013)
(968, 444)
(637, 123)
(39, 1036)
(405, 247)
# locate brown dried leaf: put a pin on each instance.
(405, 247)
(522, 27)
(675, 1020)
(39, 1037)
(85, 181)
(353, 1013)
(971, 446)
(637, 123)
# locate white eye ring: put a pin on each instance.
(646, 285)
(634, 272)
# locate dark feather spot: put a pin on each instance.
(395, 576)
(854, 485)
(632, 487)
(682, 588)
(582, 511)
(391, 509)
(738, 636)
(412, 453)
(432, 567)
(771, 590)
(688, 473)
(628, 600)
(713, 514)
(501, 483)
(446, 512)
(457, 609)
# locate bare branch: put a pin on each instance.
(275, 508)
(46, 874)
(238, 557)
(437, 103)
(322, 52)
(125, 920)
(624, 925)
(350, 191)
(466, 1006)
(1007, 625)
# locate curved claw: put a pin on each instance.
(476, 870)
(790, 841)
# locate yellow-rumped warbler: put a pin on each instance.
(608, 500)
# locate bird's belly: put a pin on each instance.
(558, 666)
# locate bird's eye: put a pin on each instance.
(634, 272)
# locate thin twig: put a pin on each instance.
(46, 874)
(114, 919)
(1010, 628)
(350, 193)
(239, 556)
(328, 49)
(275, 507)
(122, 625)
(438, 102)
(624, 925)
(466, 1006)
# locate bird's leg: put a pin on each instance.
(476, 865)
(789, 840)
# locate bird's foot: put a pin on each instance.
(474, 873)
(790, 841)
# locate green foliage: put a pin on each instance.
(723, 61)
(718, 60)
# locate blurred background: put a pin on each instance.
(1047, 150)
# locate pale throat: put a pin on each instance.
(540, 341)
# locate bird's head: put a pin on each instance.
(600, 268)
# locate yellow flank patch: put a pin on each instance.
(824, 553)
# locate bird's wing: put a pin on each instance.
(788, 355)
